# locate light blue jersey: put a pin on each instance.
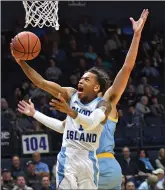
(110, 171)
(107, 142)
(77, 164)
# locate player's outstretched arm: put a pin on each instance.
(113, 94)
(99, 115)
(51, 87)
(29, 110)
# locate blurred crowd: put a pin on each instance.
(68, 53)
(65, 56)
(139, 172)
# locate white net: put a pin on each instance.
(41, 13)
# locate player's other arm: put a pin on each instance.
(114, 93)
(51, 123)
(29, 110)
(51, 87)
(99, 115)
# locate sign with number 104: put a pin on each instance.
(35, 143)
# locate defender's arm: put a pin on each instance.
(114, 93)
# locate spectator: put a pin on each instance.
(74, 54)
(129, 168)
(149, 184)
(66, 37)
(21, 184)
(35, 92)
(141, 86)
(24, 123)
(25, 88)
(53, 73)
(82, 67)
(156, 108)
(5, 110)
(46, 184)
(57, 54)
(130, 95)
(160, 174)
(147, 92)
(7, 179)
(70, 25)
(33, 180)
(99, 63)
(113, 43)
(16, 169)
(85, 27)
(145, 50)
(16, 99)
(73, 81)
(123, 185)
(133, 118)
(122, 120)
(42, 169)
(130, 186)
(148, 70)
(2, 186)
(156, 39)
(145, 165)
(7, 114)
(160, 161)
(43, 105)
(157, 56)
(37, 126)
(141, 107)
(90, 54)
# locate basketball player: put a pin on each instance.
(110, 171)
(77, 165)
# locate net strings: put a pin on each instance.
(40, 13)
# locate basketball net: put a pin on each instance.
(41, 13)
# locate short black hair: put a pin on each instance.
(145, 151)
(102, 78)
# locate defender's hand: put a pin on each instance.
(27, 109)
(138, 25)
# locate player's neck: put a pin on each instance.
(88, 99)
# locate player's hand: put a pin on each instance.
(12, 53)
(27, 109)
(139, 24)
(60, 104)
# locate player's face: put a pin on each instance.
(88, 86)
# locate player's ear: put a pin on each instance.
(97, 88)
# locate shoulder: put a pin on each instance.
(144, 185)
(41, 164)
(157, 160)
(44, 164)
(105, 107)
(103, 104)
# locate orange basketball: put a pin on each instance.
(26, 46)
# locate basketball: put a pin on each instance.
(26, 46)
